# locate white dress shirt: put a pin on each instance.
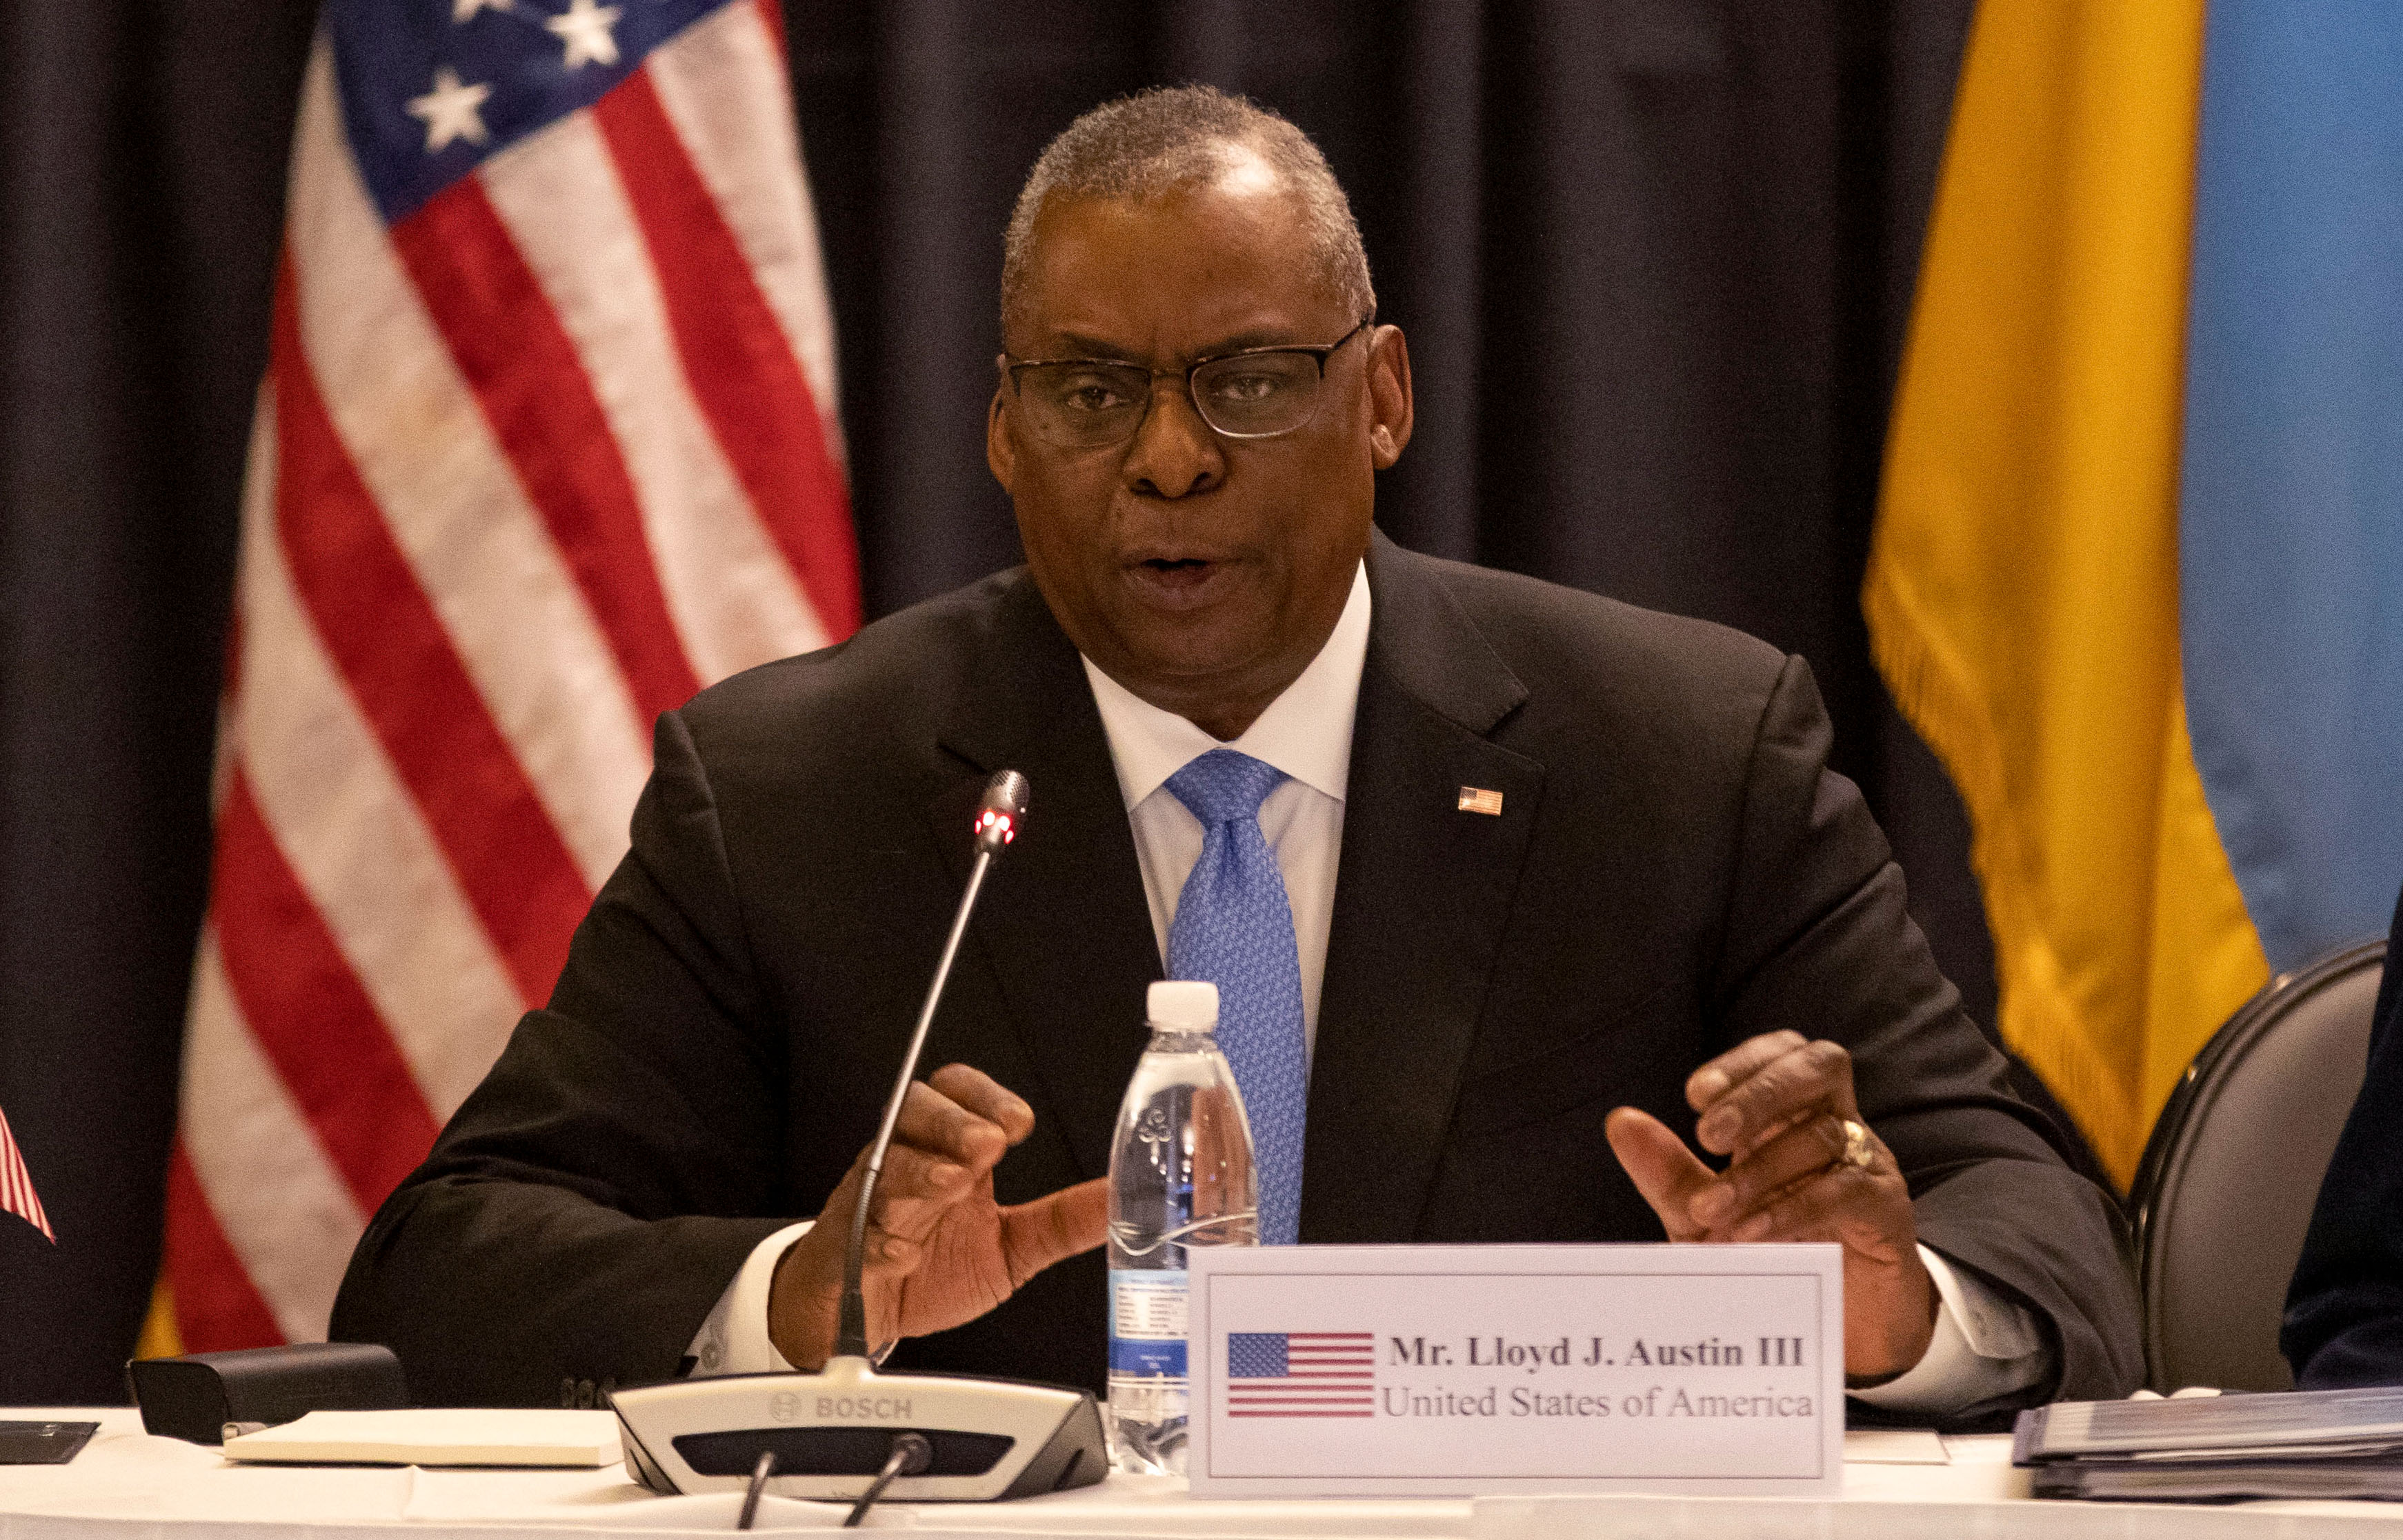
(1305, 732)
(1985, 1344)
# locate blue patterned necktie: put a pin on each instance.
(1234, 929)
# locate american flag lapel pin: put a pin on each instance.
(1477, 799)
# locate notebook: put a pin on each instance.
(437, 1437)
(2324, 1444)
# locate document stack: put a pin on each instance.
(2326, 1444)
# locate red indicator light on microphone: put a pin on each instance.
(998, 812)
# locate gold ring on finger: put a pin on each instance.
(1859, 1150)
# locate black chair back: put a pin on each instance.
(2228, 1177)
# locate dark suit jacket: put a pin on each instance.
(1674, 869)
(2344, 1312)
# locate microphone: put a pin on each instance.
(998, 817)
(918, 1437)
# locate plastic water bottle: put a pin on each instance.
(1180, 1177)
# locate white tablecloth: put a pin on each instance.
(128, 1486)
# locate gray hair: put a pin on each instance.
(1171, 137)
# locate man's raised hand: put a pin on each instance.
(940, 1252)
(1777, 1105)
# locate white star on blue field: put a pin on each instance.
(430, 87)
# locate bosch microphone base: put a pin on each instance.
(831, 1432)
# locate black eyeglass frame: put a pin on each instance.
(1317, 354)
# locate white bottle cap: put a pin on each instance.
(1182, 1005)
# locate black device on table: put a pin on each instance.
(42, 1443)
(195, 1397)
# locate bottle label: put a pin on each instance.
(1147, 1321)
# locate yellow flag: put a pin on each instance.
(160, 1338)
(2022, 593)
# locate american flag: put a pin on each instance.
(17, 1194)
(1301, 1374)
(546, 442)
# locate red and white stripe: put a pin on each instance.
(529, 467)
(1329, 1354)
(17, 1194)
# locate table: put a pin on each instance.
(128, 1486)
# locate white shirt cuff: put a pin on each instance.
(735, 1338)
(1985, 1346)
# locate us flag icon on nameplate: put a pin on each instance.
(1301, 1374)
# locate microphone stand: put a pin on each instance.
(922, 1437)
(996, 827)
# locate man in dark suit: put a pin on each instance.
(1595, 879)
(2344, 1310)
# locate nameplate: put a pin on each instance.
(1368, 1371)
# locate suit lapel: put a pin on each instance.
(1063, 924)
(1421, 897)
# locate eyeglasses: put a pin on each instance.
(1259, 393)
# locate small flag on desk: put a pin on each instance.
(1301, 1374)
(17, 1193)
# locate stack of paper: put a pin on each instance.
(2332, 1444)
(437, 1437)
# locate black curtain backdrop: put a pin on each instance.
(1655, 260)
